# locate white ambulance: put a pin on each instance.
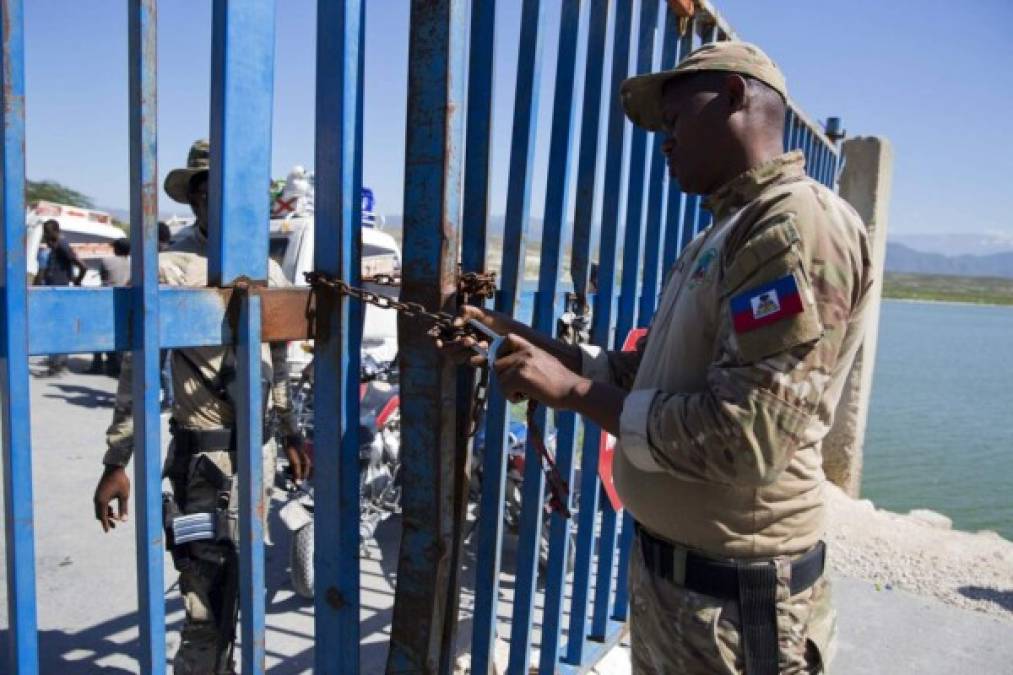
(291, 246)
(90, 233)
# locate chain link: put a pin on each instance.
(442, 323)
(473, 286)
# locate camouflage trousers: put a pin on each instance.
(201, 583)
(674, 631)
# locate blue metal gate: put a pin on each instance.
(446, 205)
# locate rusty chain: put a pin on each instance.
(471, 286)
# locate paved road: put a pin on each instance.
(87, 584)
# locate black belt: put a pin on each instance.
(191, 441)
(753, 583)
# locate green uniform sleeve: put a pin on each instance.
(120, 434)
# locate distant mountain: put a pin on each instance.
(954, 244)
(906, 260)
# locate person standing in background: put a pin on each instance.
(114, 271)
(59, 271)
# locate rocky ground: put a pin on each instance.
(921, 554)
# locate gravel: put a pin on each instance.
(919, 553)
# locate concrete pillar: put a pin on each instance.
(865, 184)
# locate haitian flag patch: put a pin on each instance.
(766, 304)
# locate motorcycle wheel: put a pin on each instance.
(301, 562)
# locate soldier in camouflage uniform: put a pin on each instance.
(202, 451)
(721, 411)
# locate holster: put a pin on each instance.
(183, 528)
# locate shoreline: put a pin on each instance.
(932, 301)
(921, 553)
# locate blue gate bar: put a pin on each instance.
(810, 151)
(650, 287)
(796, 135)
(690, 219)
(522, 153)
(587, 162)
(600, 330)
(691, 202)
(818, 158)
(626, 318)
(560, 529)
(336, 355)
(821, 162)
(702, 216)
(474, 227)
(828, 177)
(22, 650)
(656, 195)
(675, 229)
(556, 199)
(143, 57)
(242, 88)
(432, 206)
(813, 159)
(252, 505)
(477, 130)
(814, 155)
(242, 85)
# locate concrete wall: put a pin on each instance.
(865, 184)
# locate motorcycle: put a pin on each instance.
(514, 481)
(379, 464)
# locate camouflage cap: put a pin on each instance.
(177, 183)
(641, 95)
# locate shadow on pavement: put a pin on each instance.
(88, 397)
(1002, 598)
(81, 651)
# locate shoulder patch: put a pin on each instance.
(703, 265)
(766, 304)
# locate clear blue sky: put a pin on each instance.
(936, 78)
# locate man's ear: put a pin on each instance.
(737, 91)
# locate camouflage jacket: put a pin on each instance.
(738, 380)
(195, 406)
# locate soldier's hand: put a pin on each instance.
(462, 350)
(526, 372)
(114, 485)
(298, 459)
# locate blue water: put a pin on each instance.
(940, 432)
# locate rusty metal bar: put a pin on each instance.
(432, 212)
